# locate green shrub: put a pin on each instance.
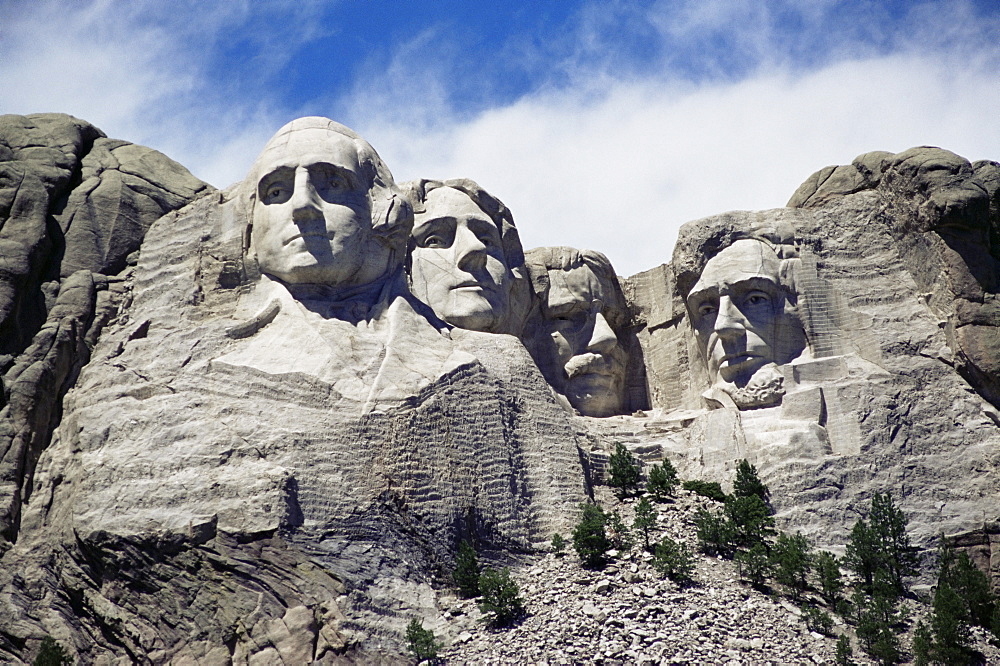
(662, 481)
(50, 653)
(466, 574)
(792, 560)
(623, 471)
(710, 489)
(501, 601)
(590, 539)
(673, 560)
(645, 521)
(558, 545)
(877, 616)
(421, 642)
(817, 619)
(922, 641)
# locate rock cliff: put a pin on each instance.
(207, 459)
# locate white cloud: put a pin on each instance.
(602, 155)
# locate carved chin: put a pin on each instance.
(594, 395)
(472, 311)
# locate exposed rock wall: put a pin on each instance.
(73, 206)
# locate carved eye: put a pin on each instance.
(757, 298)
(435, 241)
(273, 193)
(707, 309)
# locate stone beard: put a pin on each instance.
(574, 338)
(737, 313)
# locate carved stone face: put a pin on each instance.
(458, 265)
(312, 214)
(737, 311)
(586, 363)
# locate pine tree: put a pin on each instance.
(558, 545)
(751, 520)
(828, 571)
(623, 471)
(618, 533)
(715, 533)
(888, 523)
(882, 545)
(50, 653)
(662, 481)
(421, 642)
(844, 651)
(466, 572)
(748, 484)
(755, 565)
(792, 560)
(673, 560)
(590, 539)
(645, 521)
(501, 602)
(710, 489)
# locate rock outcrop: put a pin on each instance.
(73, 206)
(261, 438)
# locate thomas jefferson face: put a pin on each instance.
(312, 215)
(458, 266)
(586, 358)
(737, 310)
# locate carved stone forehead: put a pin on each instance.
(744, 259)
(311, 135)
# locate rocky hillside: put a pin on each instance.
(627, 613)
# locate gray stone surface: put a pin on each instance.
(282, 432)
(73, 206)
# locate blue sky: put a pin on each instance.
(602, 125)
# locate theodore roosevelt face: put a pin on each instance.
(312, 213)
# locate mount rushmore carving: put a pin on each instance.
(277, 408)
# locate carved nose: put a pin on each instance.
(305, 204)
(469, 250)
(602, 339)
(729, 321)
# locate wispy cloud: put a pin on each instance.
(607, 129)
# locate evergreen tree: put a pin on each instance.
(962, 598)
(673, 560)
(754, 565)
(590, 539)
(715, 533)
(751, 520)
(882, 545)
(466, 572)
(623, 471)
(828, 571)
(922, 644)
(645, 521)
(501, 601)
(791, 560)
(50, 653)
(619, 534)
(844, 651)
(710, 489)
(888, 523)
(877, 616)
(662, 481)
(421, 642)
(558, 545)
(748, 484)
